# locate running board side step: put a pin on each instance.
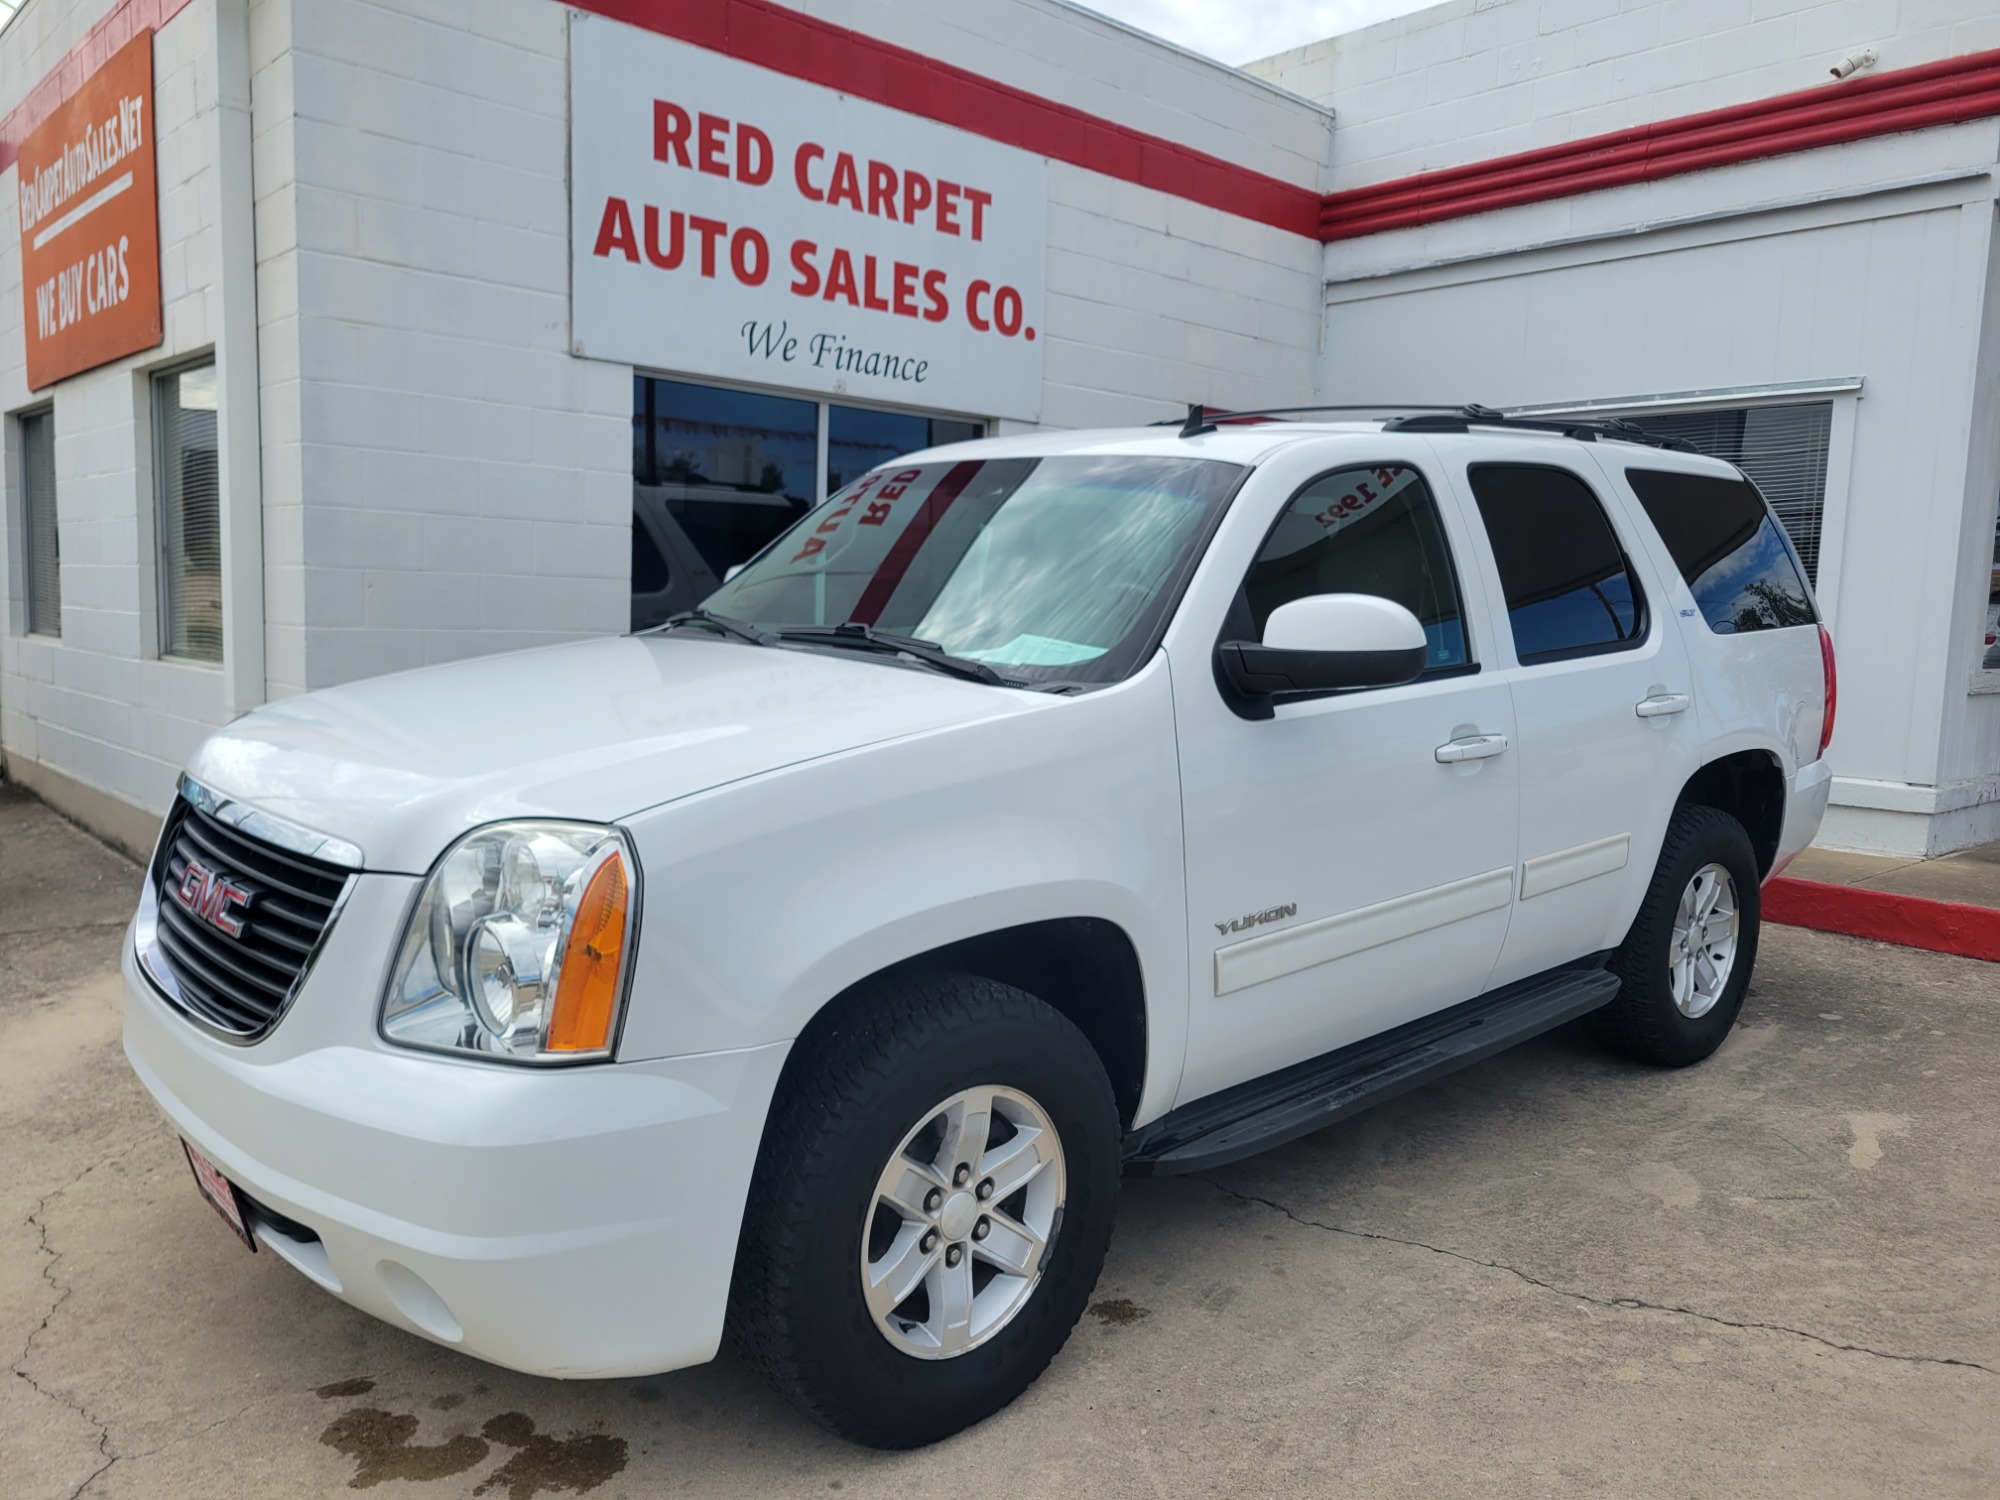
(1268, 1111)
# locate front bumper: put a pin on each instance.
(565, 1222)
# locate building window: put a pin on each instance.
(1783, 450)
(859, 439)
(1989, 657)
(729, 469)
(190, 518)
(718, 472)
(38, 509)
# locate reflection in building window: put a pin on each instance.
(730, 469)
(1990, 657)
(190, 519)
(717, 473)
(44, 544)
(859, 439)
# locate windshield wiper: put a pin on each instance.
(737, 630)
(853, 632)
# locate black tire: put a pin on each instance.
(1643, 1023)
(797, 1311)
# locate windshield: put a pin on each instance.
(1043, 568)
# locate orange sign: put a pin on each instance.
(90, 223)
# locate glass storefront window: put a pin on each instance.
(733, 468)
(859, 439)
(717, 473)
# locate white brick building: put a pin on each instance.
(391, 309)
(1849, 290)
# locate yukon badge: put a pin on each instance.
(1258, 918)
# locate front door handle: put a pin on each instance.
(1470, 747)
(1661, 704)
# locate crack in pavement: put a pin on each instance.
(1629, 1304)
(174, 1442)
(38, 1221)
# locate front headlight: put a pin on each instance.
(519, 946)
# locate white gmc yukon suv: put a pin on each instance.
(1035, 810)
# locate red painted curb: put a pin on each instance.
(1885, 916)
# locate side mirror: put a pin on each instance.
(1329, 641)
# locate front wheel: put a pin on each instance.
(1686, 962)
(931, 1208)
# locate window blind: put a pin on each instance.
(190, 514)
(1782, 448)
(38, 492)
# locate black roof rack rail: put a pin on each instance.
(1414, 418)
(1202, 419)
(1585, 430)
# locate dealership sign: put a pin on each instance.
(732, 222)
(90, 227)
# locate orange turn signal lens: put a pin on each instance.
(593, 960)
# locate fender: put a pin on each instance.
(766, 898)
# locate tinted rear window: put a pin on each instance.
(1734, 558)
(1569, 592)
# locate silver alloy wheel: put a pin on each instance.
(963, 1213)
(1704, 945)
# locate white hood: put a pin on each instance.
(402, 765)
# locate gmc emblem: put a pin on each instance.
(213, 897)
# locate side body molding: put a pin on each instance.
(1573, 866)
(1273, 955)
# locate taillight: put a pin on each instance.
(1832, 688)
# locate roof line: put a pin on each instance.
(1949, 91)
(112, 31)
(787, 41)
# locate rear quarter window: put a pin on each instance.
(1722, 537)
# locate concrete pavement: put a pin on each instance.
(1970, 877)
(1777, 1274)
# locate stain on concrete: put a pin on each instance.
(447, 1401)
(379, 1443)
(360, 1386)
(1122, 1311)
(578, 1463)
(1868, 1132)
(1672, 1185)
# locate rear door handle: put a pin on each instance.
(1661, 704)
(1471, 747)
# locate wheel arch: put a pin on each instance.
(1749, 785)
(1086, 968)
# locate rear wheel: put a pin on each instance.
(931, 1209)
(1686, 962)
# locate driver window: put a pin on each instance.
(1365, 531)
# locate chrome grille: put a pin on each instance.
(236, 982)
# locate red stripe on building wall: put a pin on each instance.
(1885, 916)
(113, 30)
(1940, 93)
(801, 46)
